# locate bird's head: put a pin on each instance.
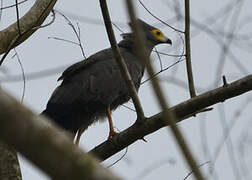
(153, 35)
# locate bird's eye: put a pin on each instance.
(159, 35)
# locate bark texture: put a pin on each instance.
(53, 151)
(29, 23)
(45, 145)
(9, 166)
(182, 111)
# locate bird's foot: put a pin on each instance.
(112, 134)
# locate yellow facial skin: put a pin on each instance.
(159, 35)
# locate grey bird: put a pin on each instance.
(91, 88)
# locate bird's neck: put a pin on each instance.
(131, 46)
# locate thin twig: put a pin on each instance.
(64, 40)
(11, 45)
(175, 29)
(6, 7)
(35, 75)
(117, 27)
(47, 24)
(188, 49)
(189, 174)
(154, 75)
(59, 69)
(159, 59)
(124, 154)
(77, 33)
(23, 75)
(20, 36)
(172, 55)
(16, 39)
(1, 5)
(129, 108)
(17, 13)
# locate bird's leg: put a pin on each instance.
(79, 133)
(111, 126)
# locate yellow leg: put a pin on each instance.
(79, 133)
(111, 126)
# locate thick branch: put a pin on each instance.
(182, 111)
(45, 145)
(34, 137)
(33, 18)
(9, 165)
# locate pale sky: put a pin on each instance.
(160, 157)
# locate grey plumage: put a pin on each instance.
(93, 85)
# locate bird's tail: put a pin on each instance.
(65, 120)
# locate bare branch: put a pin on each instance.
(168, 116)
(33, 18)
(44, 145)
(121, 62)
(175, 29)
(34, 75)
(9, 166)
(188, 49)
(34, 137)
(182, 111)
(17, 12)
(7, 7)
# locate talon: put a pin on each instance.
(112, 134)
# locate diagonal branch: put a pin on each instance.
(10, 38)
(168, 116)
(44, 145)
(120, 61)
(33, 18)
(182, 111)
(32, 136)
(9, 165)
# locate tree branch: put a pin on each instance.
(10, 37)
(120, 61)
(9, 165)
(34, 137)
(182, 111)
(44, 145)
(188, 49)
(168, 116)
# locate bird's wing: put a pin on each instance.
(84, 78)
(100, 81)
(75, 68)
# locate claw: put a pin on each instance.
(112, 134)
